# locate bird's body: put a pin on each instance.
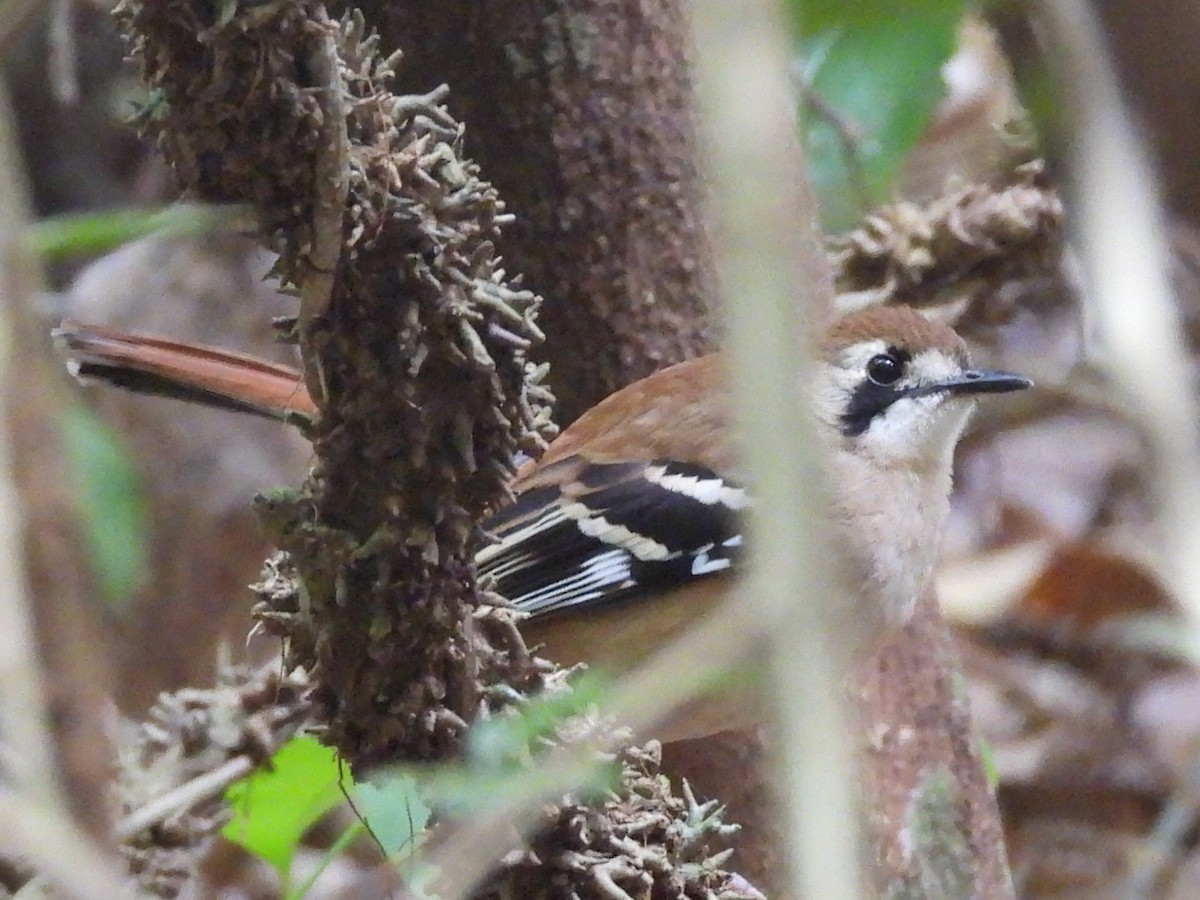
(647, 479)
(629, 528)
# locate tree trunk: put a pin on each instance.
(581, 114)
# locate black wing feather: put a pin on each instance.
(608, 531)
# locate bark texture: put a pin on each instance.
(931, 811)
(581, 113)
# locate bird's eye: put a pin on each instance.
(885, 369)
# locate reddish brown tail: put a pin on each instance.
(191, 372)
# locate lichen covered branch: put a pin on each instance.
(175, 766)
(968, 240)
(417, 356)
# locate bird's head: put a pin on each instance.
(897, 389)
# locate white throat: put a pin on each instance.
(891, 513)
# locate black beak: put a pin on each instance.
(975, 381)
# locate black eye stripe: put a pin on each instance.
(871, 398)
(867, 401)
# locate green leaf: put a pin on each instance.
(872, 79)
(111, 504)
(810, 17)
(88, 234)
(394, 810)
(272, 809)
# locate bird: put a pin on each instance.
(630, 526)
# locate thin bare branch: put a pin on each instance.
(1121, 237)
(330, 185)
(62, 853)
(776, 280)
(186, 797)
(24, 720)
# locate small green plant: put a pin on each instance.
(871, 78)
(273, 808)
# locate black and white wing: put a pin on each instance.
(605, 531)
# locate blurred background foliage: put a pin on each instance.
(870, 76)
